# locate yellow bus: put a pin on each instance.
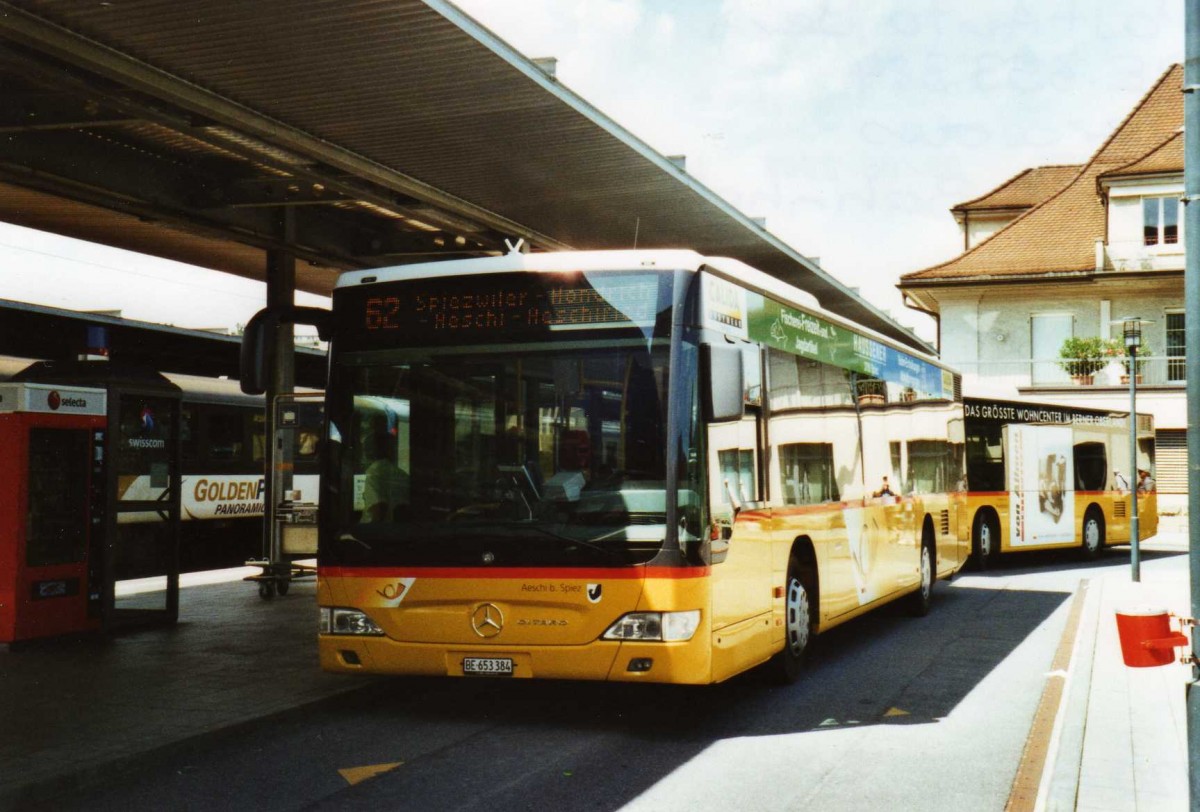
(1047, 476)
(627, 465)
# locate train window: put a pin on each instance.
(226, 435)
(258, 437)
(188, 432)
(310, 417)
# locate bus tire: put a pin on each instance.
(920, 601)
(799, 613)
(1093, 534)
(985, 540)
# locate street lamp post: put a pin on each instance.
(1132, 328)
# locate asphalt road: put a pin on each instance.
(893, 712)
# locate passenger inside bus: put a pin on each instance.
(1145, 481)
(385, 485)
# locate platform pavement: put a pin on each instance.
(1120, 740)
(74, 711)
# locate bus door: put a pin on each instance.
(742, 560)
(52, 437)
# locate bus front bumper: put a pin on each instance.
(672, 662)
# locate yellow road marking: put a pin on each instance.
(895, 712)
(1035, 758)
(356, 775)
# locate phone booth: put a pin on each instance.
(133, 492)
(51, 509)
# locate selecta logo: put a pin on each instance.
(56, 401)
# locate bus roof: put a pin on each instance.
(559, 261)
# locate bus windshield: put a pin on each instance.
(542, 456)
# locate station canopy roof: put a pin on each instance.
(393, 131)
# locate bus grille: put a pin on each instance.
(945, 523)
(1119, 509)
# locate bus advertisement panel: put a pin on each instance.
(1039, 470)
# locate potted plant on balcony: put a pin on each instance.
(1081, 357)
(1144, 352)
(871, 391)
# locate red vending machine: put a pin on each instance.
(52, 502)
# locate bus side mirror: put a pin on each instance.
(723, 390)
(258, 342)
(253, 362)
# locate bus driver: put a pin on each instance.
(385, 485)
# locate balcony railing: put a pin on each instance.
(1152, 371)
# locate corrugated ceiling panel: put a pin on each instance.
(417, 94)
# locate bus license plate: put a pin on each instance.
(494, 666)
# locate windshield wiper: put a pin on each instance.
(354, 538)
(581, 542)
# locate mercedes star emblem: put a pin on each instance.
(487, 620)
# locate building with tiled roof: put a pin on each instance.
(1062, 251)
(982, 217)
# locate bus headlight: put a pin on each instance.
(339, 620)
(665, 626)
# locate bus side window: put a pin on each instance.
(807, 470)
(1091, 466)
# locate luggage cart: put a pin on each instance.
(296, 530)
(292, 541)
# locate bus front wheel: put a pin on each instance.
(1093, 535)
(922, 599)
(798, 622)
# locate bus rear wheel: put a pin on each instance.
(799, 593)
(985, 541)
(1093, 535)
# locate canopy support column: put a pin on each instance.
(281, 293)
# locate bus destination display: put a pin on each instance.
(465, 310)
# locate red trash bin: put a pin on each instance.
(1147, 638)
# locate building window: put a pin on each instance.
(1160, 220)
(1048, 331)
(1176, 366)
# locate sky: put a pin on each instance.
(853, 127)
